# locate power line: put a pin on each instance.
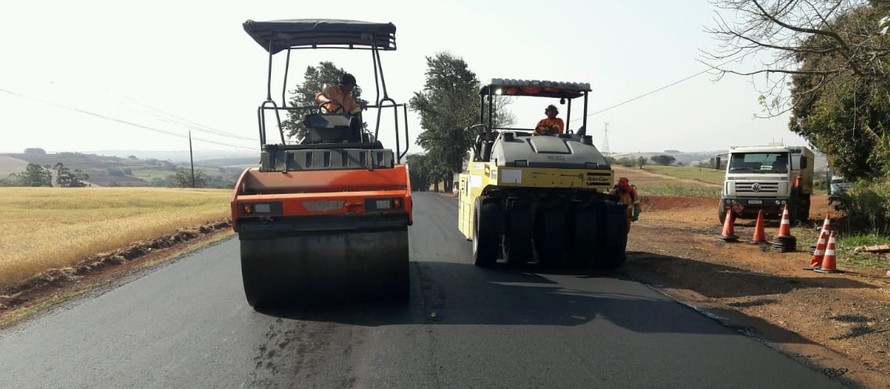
(651, 92)
(171, 118)
(122, 121)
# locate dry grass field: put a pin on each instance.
(45, 228)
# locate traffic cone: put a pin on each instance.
(728, 234)
(784, 242)
(829, 261)
(785, 226)
(826, 226)
(816, 261)
(759, 235)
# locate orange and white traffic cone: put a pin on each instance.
(784, 242)
(728, 233)
(785, 226)
(759, 235)
(826, 226)
(829, 264)
(816, 261)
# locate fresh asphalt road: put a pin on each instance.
(187, 325)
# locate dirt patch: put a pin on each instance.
(53, 285)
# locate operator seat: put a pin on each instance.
(332, 128)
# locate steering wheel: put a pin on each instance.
(323, 108)
(547, 130)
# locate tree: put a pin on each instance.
(419, 171)
(846, 117)
(664, 160)
(447, 106)
(183, 179)
(34, 175)
(836, 54)
(65, 178)
(35, 150)
(303, 101)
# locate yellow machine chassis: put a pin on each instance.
(481, 176)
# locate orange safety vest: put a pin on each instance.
(549, 124)
(337, 99)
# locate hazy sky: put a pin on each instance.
(98, 75)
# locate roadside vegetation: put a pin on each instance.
(45, 228)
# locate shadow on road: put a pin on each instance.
(719, 281)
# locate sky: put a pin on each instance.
(110, 75)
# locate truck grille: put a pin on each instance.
(756, 187)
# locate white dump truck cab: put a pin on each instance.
(767, 178)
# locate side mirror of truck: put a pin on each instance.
(803, 162)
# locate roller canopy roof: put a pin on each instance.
(510, 87)
(303, 33)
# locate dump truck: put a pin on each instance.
(539, 199)
(767, 178)
(324, 218)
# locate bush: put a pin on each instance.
(866, 206)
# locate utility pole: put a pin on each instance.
(606, 139)
(191, 158)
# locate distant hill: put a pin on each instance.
(106, 170)
(180, 155)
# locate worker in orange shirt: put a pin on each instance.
(627, 195)
(551, 125)
(338, 98)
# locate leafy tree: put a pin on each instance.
(183, 179)
(846, 115)
(626, 161)
(35, 150)
(303, 102)
(67, 179)
(837, 54)
(664, 160)
(447, 105)
(418, 171)
(34, 175)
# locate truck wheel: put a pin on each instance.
(550, 233)
(485, 233)
(803, 209)
(612, 242)
(582, 232)
(721, 213)
(518, 236)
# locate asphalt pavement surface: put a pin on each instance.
(187, 325)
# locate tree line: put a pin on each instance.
(59, 175)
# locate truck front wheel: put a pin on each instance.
(721, 212)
